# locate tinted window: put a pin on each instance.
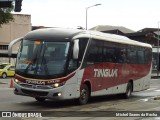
(11, 68)
(109, 54)
(103, 51)
(148, 55)
(120, 55)
(95, 51)
(82, 46)
(73, 64)
(140, 56)
(2, 66)
(132, 56)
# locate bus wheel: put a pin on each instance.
(39, 99)
(128, 90)
(84, 95)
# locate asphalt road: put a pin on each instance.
(97, 107)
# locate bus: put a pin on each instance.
(60, 64)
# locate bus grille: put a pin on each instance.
(31, 92)
(35, 86)
(26, 85)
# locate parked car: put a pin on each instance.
(2, 65)
(6, 69)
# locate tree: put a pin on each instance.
(5, 15)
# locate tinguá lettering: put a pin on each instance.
(105, 72)
(35, 82)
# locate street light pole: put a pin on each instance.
(87, 12)
(158, 51)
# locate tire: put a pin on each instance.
(84, 95)
(4, 75)
(128, 91)
(39, 99)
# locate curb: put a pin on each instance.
(155, 77)
(3, 83)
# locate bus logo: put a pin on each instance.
(35, 82)
(105, 72)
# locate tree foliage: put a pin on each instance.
(5, 15)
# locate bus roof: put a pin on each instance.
(52, 34)
(66, 34)
(117, 39)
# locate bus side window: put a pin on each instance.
(95, 51)
(141, 57)
(120, 55)
(109, 54)
(82, 47)
(148, 55)
(132, 56)
(91, 55)
(74, 64)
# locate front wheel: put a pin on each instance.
(84, 95)
(39, 99)
(129, 90)
(4, 75)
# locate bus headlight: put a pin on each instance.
(17, 81)
(56, 85)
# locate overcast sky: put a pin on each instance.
(133, 14)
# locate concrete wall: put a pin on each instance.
(18, 28)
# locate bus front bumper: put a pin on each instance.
(55, 93)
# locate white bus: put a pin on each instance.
(58, 64)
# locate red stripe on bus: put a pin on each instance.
(46, 82)
(103, 76)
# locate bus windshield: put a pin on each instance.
(39, 58)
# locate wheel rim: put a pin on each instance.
(4, 75)
(83, 95)
(129, 92)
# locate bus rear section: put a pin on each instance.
(64, 64)
(117, 67)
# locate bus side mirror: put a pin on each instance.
(76, 49)
(11, 45)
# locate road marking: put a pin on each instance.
(6, 88)
(3, 83)
(152, 89)
(157, 90)
(145, 100)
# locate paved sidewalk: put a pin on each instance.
(5, 83)
(155, 75)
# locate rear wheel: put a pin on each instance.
(39, 99)
(128, 90)
(4, 75)
(84, 95)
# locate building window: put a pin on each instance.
(3, 47)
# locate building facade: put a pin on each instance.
(8, 32)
